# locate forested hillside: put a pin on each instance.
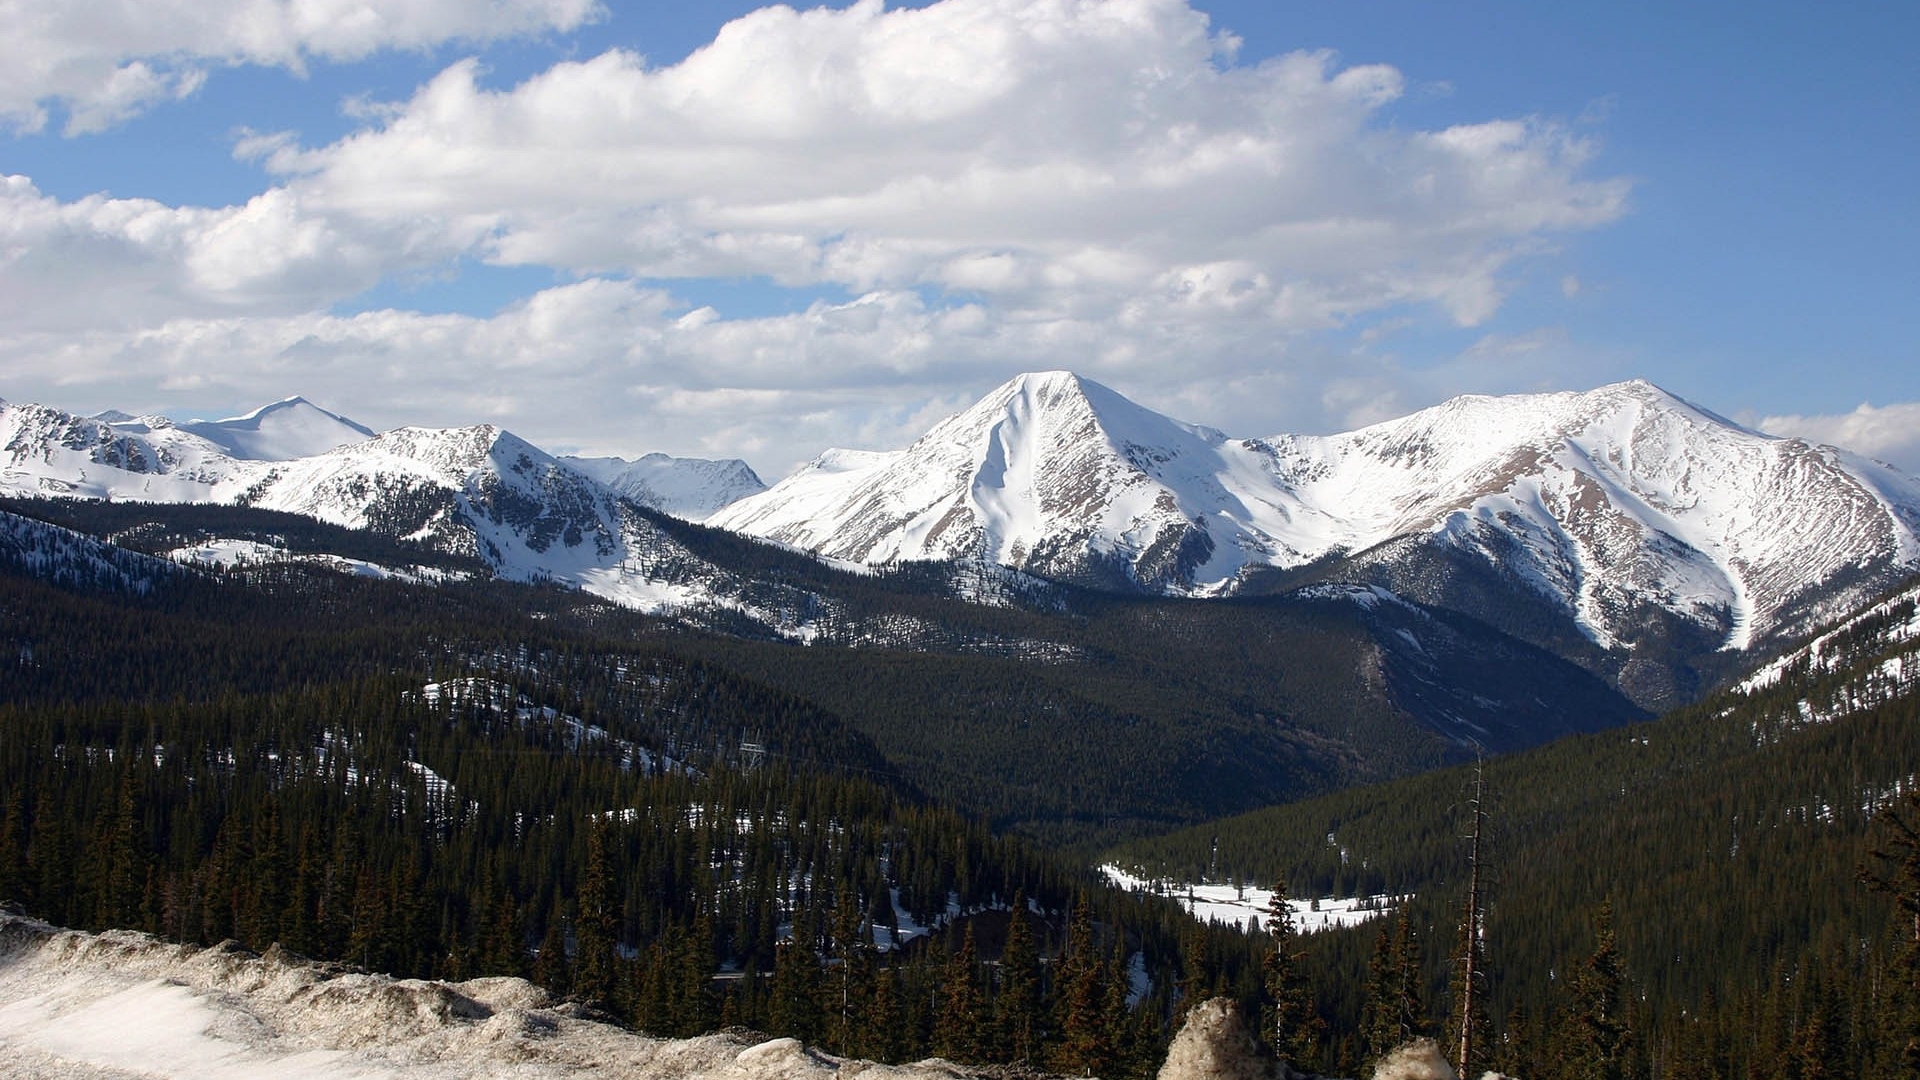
(1728, 841)
(457, 782)
(1059, 713)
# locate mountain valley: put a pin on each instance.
(623, 727)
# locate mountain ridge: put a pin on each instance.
(1606, 501)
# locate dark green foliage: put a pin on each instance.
(1728, 835)
(1072, 716)
(259, 757)
(1290, 1023)
(1597, 1037)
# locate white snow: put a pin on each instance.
(690, 488)
(1246, 905)
(121, 1005)
(282, 431)
(1614, 497)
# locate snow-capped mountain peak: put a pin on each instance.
(690, 488)
(285, 430)
(1050, 472)
(1604, 502)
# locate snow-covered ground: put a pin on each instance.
(121, 1005)
(1242, 905)
(227, 554)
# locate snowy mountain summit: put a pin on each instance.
(690, 488)
(1608, 503)
(282, 431)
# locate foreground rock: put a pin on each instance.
(1215, 1044)
(124, 1005)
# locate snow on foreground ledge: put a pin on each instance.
(122, 1005)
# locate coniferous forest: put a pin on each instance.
(687, 831)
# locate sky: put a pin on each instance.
(722, 230)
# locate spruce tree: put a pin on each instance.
(1292, 1024)
(1085, 1045)
(957, 1027)
(852, 975)
(598, 928)
(1598, 1035)
(1895, 872)
(1017, 1005)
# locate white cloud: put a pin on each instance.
(1042, 153)
(1002, 184)
(1890, 433)
(105, 60)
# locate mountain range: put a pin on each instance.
(1636, 534)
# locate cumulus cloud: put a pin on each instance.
(1051, 154)
(998, 184)
(1890, 433)
(105, 61)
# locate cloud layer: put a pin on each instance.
(105, 61)
(1000, 184)
(1890, 433)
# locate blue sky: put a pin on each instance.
(830, 227)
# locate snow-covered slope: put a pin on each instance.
(1603, 503)
(479, 491)
(282, 431)
(1049, 473)
(1870, 657)
(124, 1005)
(45, 451)
(690, 488)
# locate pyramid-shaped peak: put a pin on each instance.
(1052, 391)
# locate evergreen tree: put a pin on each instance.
(959, 1025)
(852, 976)
(125, 862)
(598, 927)
(550, 966)
(13, 850)
(694, 1008)
(1017, 1005)
(1599, 1037)
(1894, 870)
(1292, 1025)
(1196, 978)
(793, 1008)
(884, 1035)
(1085, 1045)
(1394, 1009)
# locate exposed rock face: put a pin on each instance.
(1215, 1044)
(1417, 1060)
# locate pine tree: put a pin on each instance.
(550, 966)
(126, 864)
(598, 928)
(852, 976)
(14, 880)
(883, 1037)
(1471, 1025)
(793, 1008)
(1599, 1035)
(1292, 1024)
(1085, 1044)
(957, 1027)
(1395, 1009)
(1895, 872)
(1017, 1005)
(1196, 977)
(694, 1007)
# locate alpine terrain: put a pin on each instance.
(1621, 526)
